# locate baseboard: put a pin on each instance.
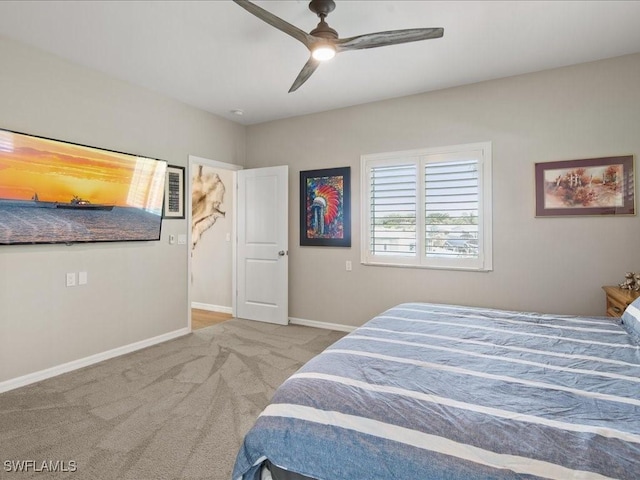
(327, 326)
(87, 361)
(211, 308)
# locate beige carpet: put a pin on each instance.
(178, 410)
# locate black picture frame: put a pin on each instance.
(174, 197)
(325, 207)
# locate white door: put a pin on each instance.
(262, 254)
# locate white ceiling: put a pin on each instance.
(216, 56)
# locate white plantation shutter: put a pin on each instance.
(393, 203)
(451, 209)
(428, 208)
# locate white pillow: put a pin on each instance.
(631, 317)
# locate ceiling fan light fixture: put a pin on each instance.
(323, 52)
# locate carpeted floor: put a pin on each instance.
(178, 410)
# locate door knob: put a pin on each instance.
(281, 253)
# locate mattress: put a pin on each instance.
(426, 391)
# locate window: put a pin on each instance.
(428, 208)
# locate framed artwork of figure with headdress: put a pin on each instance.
(325, 207)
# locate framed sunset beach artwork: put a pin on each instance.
(60, 192)
(595, 186)
(325, 202)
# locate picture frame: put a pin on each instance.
(325, 207)
(174, 196)
(594, 186)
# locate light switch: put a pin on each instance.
(82, 278)
(71, 279)
(228, 237)
(348, 266)
(172, 239)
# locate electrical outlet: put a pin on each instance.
(348, 266)
(71, 279)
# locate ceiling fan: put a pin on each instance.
(323, 42)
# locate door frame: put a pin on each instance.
(193, 159)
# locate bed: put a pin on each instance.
(428, 391)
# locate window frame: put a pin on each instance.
(420, 157)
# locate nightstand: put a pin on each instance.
(618, 300)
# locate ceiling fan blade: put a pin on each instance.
(392, 37)
(305, 73)
(277, 22)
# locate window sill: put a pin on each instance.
(427, 267)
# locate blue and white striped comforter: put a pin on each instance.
(428, 391)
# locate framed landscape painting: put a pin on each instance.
(325, 202)
(594, 186)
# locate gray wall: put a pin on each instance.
(540, 264)
(136, 291)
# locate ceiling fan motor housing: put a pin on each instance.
(324, 31)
